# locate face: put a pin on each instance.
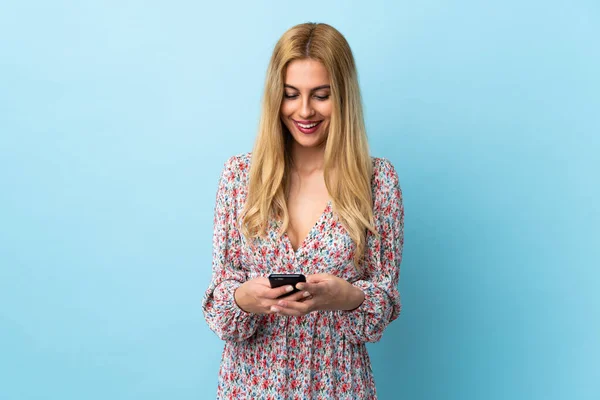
(306, 108)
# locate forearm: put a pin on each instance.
(368, 320)
(354, 297)
(224, 316)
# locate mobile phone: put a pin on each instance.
(277, 280)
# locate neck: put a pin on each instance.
(308, 159)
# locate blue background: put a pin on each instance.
(116, 118)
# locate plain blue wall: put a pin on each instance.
(116, 118)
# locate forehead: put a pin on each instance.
(306, 74)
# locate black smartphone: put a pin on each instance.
(277, 280)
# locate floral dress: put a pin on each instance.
(321, 355)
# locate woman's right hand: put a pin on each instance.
(256, 295)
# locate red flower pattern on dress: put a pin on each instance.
(321, 355)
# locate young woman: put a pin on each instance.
(309, 199)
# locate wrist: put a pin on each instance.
(238, 298)
(355, 298)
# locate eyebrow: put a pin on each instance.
(312, 90)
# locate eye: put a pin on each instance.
(322, 98)
(290, 96)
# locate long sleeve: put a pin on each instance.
(221, 312)
(381, 272)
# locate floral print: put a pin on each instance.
(321, 355)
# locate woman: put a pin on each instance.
(309, 199)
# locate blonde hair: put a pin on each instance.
(348, 166)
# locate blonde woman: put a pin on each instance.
(308, 200)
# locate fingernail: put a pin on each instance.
(306, 294)
(289, 288)
(274, 309)
(300, 286)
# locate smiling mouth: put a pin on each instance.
(307, 128)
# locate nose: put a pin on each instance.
(306, 111)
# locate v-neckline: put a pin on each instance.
(308, 236)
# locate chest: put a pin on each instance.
(306, 202)
(314, 241)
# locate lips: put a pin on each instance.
(307, 127)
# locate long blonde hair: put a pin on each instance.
(346, 148)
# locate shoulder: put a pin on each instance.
(237, 168)
(387, 195)
(384, 177)
(238, 163)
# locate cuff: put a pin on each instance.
(367, 304)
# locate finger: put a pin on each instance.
(297, 309)
(286, 306)
(289, 311)
(279, 310)
(294, 309)
(280, 291)
(312, 288)
(274, 309)
(298, 296)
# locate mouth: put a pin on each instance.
(307, 127)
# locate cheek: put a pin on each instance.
(325, 110)
(286, 109)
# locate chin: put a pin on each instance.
(309, 141)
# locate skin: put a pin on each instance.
(306, 98)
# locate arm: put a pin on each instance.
(221, 312)
(383, 255)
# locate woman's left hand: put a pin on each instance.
(327, 292)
